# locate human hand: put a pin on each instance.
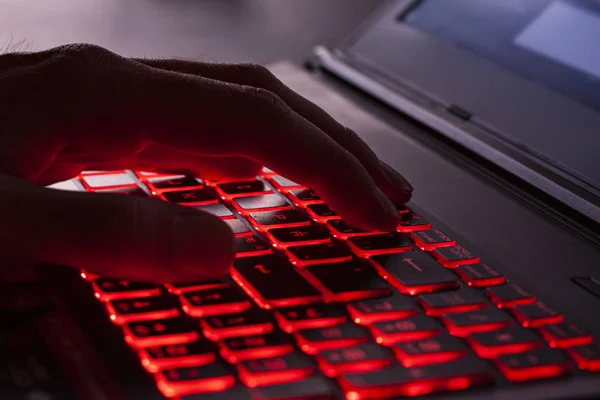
(79, 107)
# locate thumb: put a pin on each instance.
(111, 235)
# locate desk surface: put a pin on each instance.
(260, 31)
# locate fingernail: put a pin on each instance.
(398, 180)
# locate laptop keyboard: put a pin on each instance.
(316, 309)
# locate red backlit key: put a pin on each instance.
(312, 341)
(454, 256)
(165, 332)
(564, 335)
(435, 350)
(587, 357)
(129, 191)
(348, 281)
(266, 202)
(190, 354)
(480, 275)
(540, 363)
(209, 378)
(508, 296)
(368, 311)
(385, 243)
(363, 358)
(304, 235)
(436, 304)
(146, 308)
(195, 197)
(285, 185)
(341, 230)
(107, 180)
(218, 210)
(267, 172)
(514, 339)
(303, 256)
(263, 221)
(178, 288)
(234, 350)
(174, 182)
(467, 323)
(314, 387)
(272, 281)
(321, 212)
(227, 300)
(229, 190)
(536, 314)
(303, 197)
(317, 316)
(238, 227)
(412, 222)
(399, 381)
(431, 239)
(402, 330)
(250, 322)
(113, 289)
(251, 246)
(270, 371)
(414, 272)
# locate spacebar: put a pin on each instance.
(272, 282)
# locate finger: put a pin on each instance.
(110, 235)
(392, 183)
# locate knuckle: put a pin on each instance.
(261, 76)
(82, 54)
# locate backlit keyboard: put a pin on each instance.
(316, 309)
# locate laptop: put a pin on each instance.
(490, 288)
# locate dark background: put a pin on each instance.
(259, 31)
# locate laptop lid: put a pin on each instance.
(516, 81)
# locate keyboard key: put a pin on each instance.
(312, 341)
(303, 197)
(229, 190)
(251, 246)
(431, 239)
(284, 185)
(165, 332)
(536, 314)
(303, 256)
(106, 289)
(437, 304)
(250, 322)
(140, 309)
(368, 311)
(414, 272)
(264, 221)
(209, 378)
(514, 339)
(540, 363)
(127, 190)
(467, 323)
(266, 202)
(174, 182)
(587, 357)
(267, 172)
(403, 330)
(227, 300)
(218, 210)
(190, 354)
(564, 335)
(362, 358)
(412, 222)
(110, 180)
(238, 227)
(347, 281)
(270, 371)
(399, 381)
(300, 236)
(435, 350)
(317, 316)
(234, 350)
(312, 388)
(196, 197)
(341, 230)
(454, 256)
(480, 275)
(508, 296)
(385, 243)
(321, 212)
(178, 288)
(272, 282)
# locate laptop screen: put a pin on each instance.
(553, 42)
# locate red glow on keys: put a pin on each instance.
(209, 385)
(223, 333)
(255, 380)
(178, 338)
(153, 366)
(292, 326)
(497, 351)
(88, 276)
(464, 331)
(235, 356)
(314, 348)
(332, 371)
(109, 296)
(439, 311)
(539, 372)
(425, 359)
(120, 319)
